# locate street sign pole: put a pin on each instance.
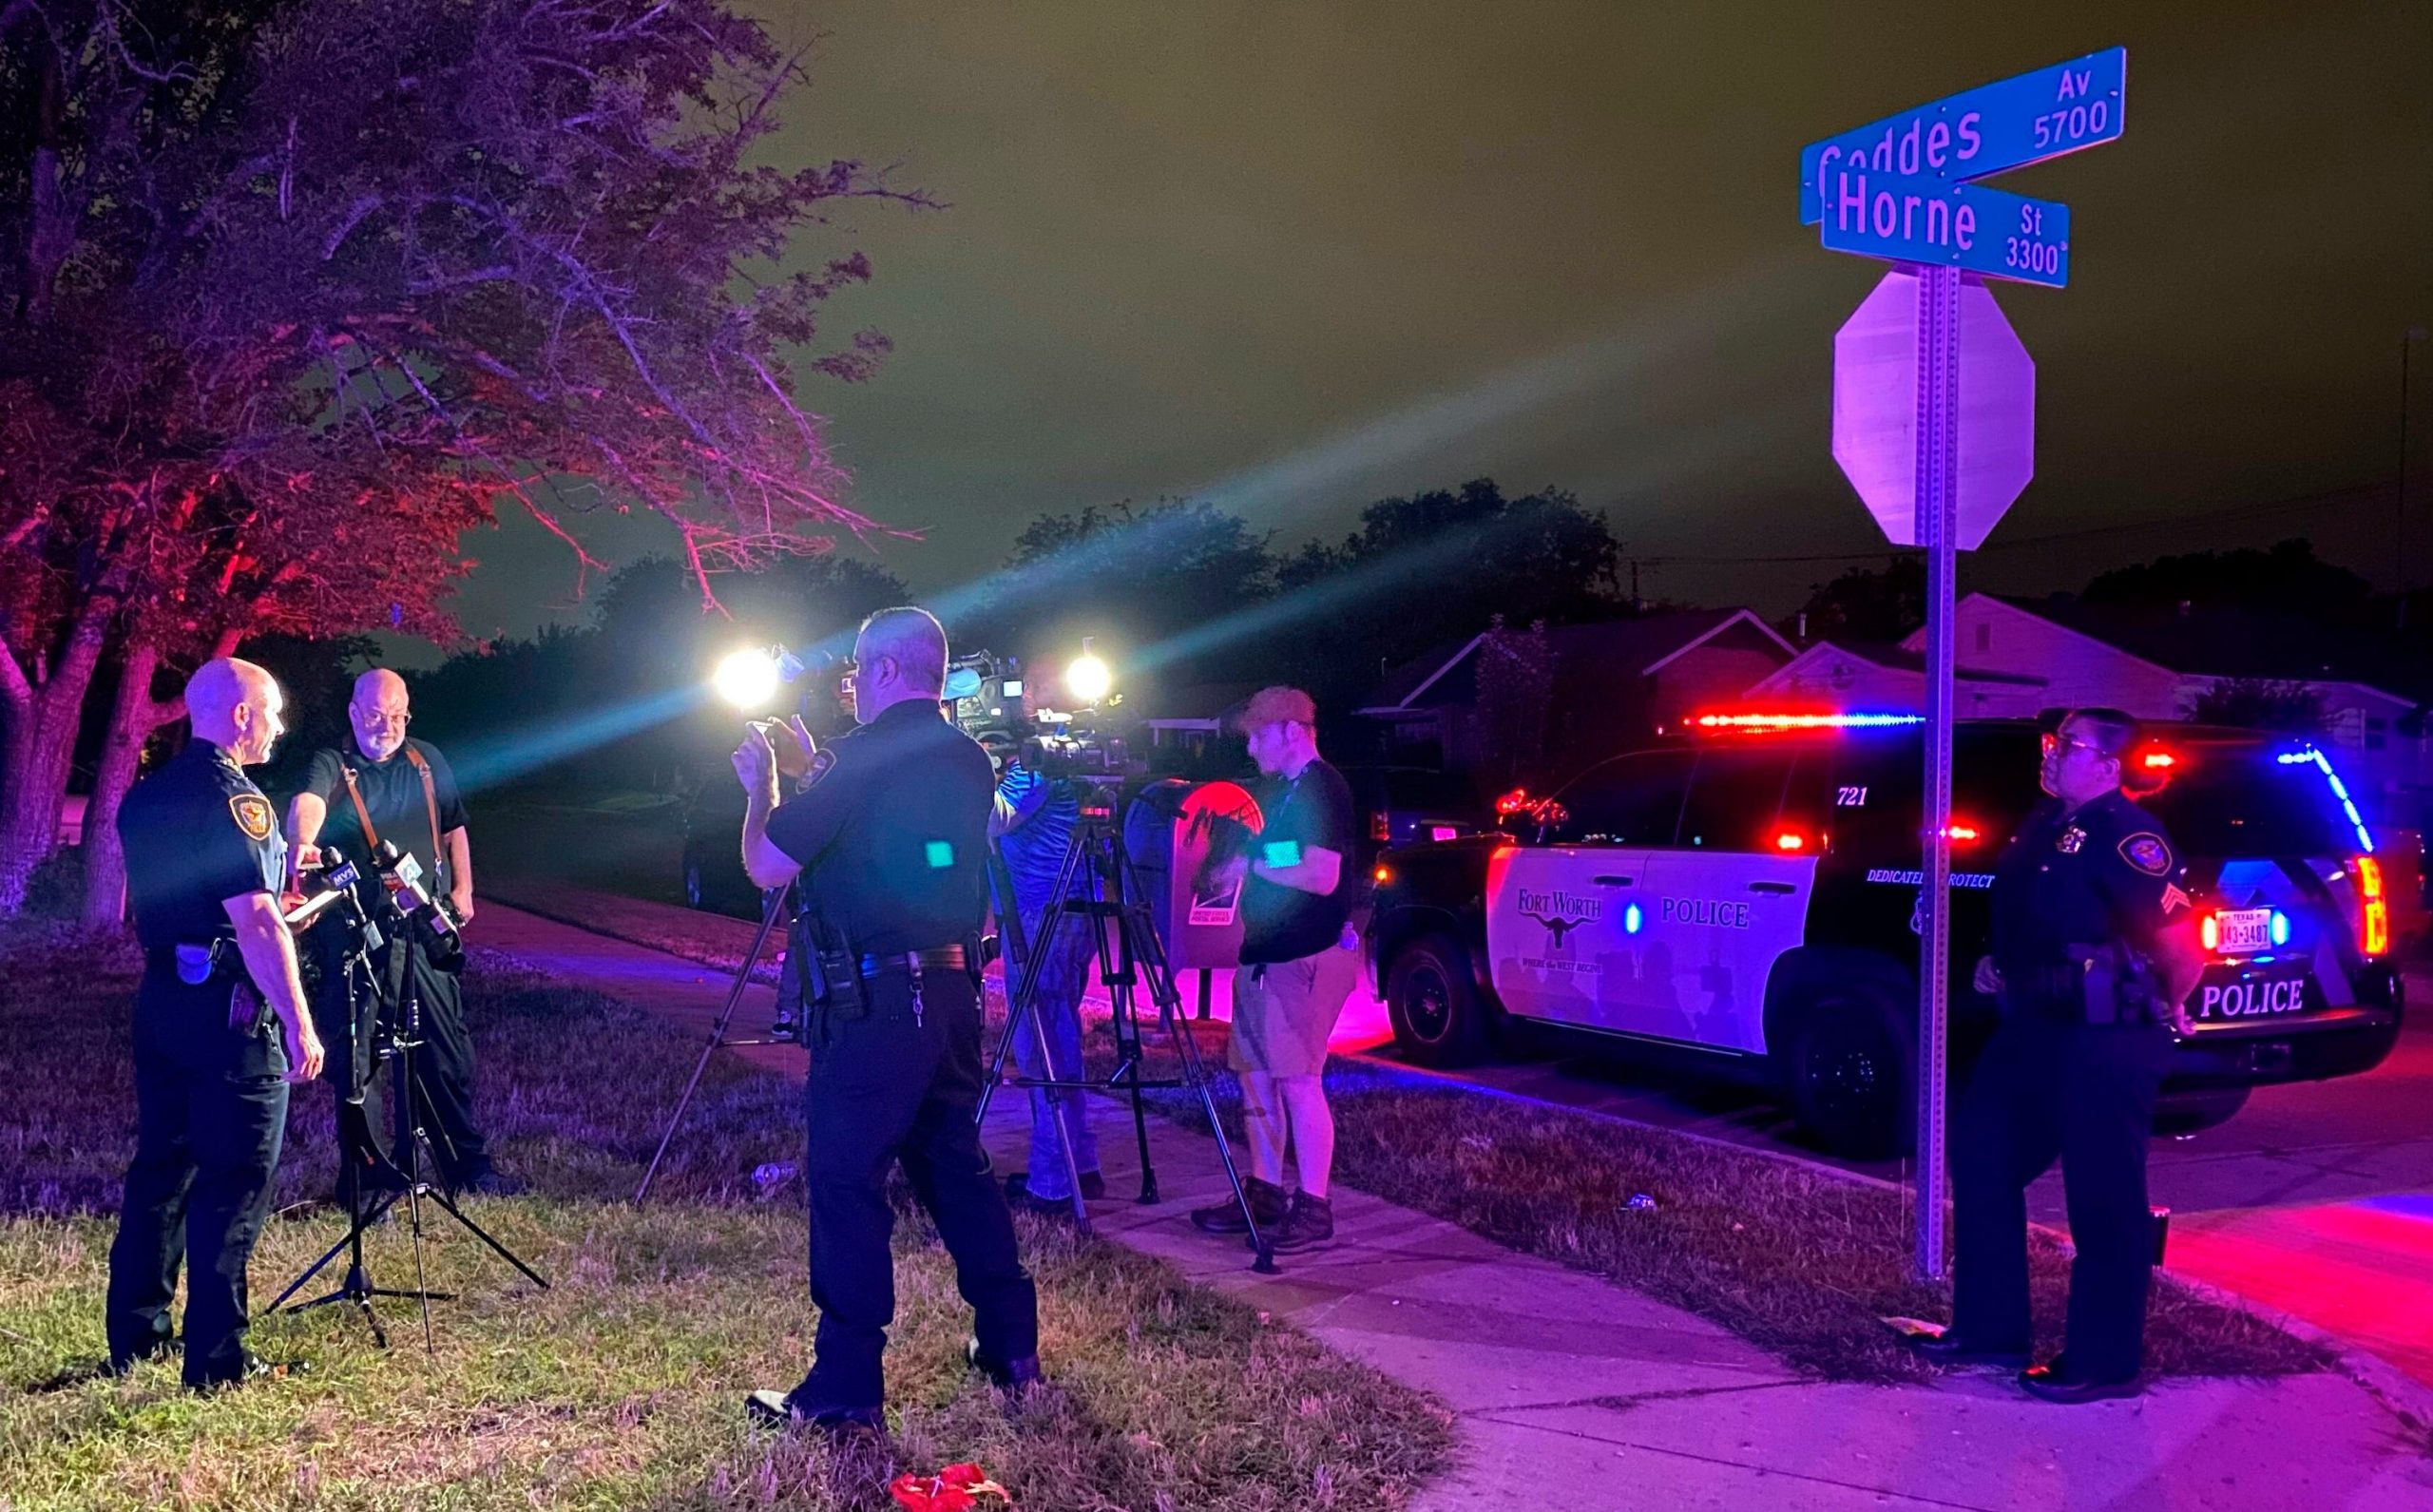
(1938, 494)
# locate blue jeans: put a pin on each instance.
(1057, 1008)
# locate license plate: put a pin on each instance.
(2244, 931)
(2261, 997)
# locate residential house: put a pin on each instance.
(1613, 685)
(2157, 665)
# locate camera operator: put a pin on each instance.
(391, 788)
(1035, 817)
(1295, 974)
(890, 838)
(204, 868)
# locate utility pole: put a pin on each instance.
(2407, 340)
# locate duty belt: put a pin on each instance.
(916, 965)
(939, 958)
(193, 964)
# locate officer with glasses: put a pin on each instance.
(2093, 957)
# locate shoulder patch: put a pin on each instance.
(2146, 853)
(252, 813)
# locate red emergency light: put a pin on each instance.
(1762, 723)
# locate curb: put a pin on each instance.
(2401, 1394)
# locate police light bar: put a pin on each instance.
(2310, 756)
(1806, 721)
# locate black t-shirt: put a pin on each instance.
(197, 833)
(893, 837)
(1286, 923)
(2107, 871)
(393, 796)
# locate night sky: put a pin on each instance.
(1296, 256)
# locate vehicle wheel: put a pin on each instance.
(2194, 1112)
(693, 885)
(1438, 1017)
(1850, 1075)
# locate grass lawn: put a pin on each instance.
(619, 1387)
(1799, 1259)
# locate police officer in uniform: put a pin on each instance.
(2093, 957)
(221, 1029)
(890, 835)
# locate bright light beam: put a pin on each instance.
(747, 679)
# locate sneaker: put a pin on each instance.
(1268, 1204)
(1308, 1224)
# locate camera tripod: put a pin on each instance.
(1110, 904)
(772, 910)
(400, 1172)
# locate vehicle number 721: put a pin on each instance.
(1849, 798)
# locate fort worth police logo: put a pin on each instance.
(252, 813)
(2146, 853)
(1559, 911)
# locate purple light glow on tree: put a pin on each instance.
(298, 291)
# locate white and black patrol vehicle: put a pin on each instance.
(1750, 895)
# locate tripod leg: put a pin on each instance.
(717, 1033)
(1065, 1108)
(1018, 998)
(441, 1200)
(1123, 960)
(1186, 1047)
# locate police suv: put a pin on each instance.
(1751, 895)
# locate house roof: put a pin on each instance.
(1901, 659)
(2229, 642)
(1644, 645)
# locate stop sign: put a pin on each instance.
(1875, 409)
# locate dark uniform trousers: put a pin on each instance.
(443, 1062)
(2047, 1088)
(886, 1088)
(210, 1109)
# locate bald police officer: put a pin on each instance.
(2093, 957)
(891, 838)
(211, 1062)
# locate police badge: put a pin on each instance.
(2071, 839)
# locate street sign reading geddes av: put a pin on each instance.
(1980, 132)
(1961, 225)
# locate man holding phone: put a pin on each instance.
(1295, 972)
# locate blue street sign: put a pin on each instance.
(1981, 132)
(1957, 225)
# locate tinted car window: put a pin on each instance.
(2243, 803)
(1735, 797)
(1632, 799)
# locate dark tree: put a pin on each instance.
(298, 288)
(1878, 605)
(2258, 704)
(1438, 566)
(2287, 580)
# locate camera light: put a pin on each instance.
(1282, 854)
(940, 855)
(1088, 678)
(747, 679)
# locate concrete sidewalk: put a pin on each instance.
(1572, 1391)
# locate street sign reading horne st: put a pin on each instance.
(1981, 132)
(1925, 220)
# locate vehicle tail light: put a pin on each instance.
(1384, 875)
(1380, 826)
(2211, 930)
(2374, 920)
(1791, 840)
(1512, 803)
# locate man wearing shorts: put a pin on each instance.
(1297, 891)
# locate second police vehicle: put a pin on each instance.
(1750, 895)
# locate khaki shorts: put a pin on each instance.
(1284, 1012)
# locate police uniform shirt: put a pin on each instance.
(393, 795)
(196, 832)
(2106, 871)
(893, 838)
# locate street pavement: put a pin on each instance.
(2316, 1200)
(1571, 1391)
